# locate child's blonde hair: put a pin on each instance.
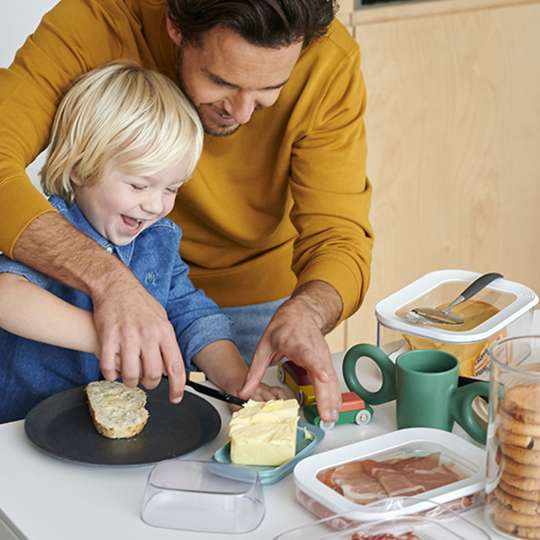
(122, 112)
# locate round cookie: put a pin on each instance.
(519, 469)
(521, 455)
(530, 508)
(519, 531)
(522, 402)
(531, 495)
(523, 441)
(528, 532)
(509, 423)
(505, 517)
(526, 484)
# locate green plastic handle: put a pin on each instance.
(387, 392)
(462, 410)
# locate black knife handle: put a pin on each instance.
(217, 394)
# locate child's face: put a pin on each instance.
(120, 206)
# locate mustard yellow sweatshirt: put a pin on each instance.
(284, 200)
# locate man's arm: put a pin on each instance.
(74, 37)
(332, 253)
(130, 323)
(297, 331)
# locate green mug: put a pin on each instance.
(424, 384)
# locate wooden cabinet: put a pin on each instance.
(453, 126)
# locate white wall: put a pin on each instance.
(18, 19)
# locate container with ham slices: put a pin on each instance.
(424, 466)
(440, 523)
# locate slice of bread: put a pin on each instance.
(117, 411)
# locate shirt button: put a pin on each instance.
(109, 249)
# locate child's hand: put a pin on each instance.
(263, 392)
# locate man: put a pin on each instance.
(275, 218)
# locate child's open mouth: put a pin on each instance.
(133, 224)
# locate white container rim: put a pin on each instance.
(385, 310)
(305, 473)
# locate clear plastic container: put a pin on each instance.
(513, 441)
(439, 523)
(502, 309)
(430, 463)
(182, 494)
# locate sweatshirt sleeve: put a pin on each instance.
(72, 38)
(330, 190)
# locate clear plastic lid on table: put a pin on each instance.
(509, 300)
(418, 462)
(439, 523)
(203, 496)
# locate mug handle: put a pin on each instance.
(462, 409)
(387, 392)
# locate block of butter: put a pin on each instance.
(264, 433)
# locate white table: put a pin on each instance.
(43, 498)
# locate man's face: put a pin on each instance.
(227, 79)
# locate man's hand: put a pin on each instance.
(136, 339)
(296, 332)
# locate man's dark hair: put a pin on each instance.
(265, 23)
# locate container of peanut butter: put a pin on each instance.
(504, 308)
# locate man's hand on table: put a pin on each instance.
(296, 332)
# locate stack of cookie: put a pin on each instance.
(516, 504)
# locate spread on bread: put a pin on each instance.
(117, 411)
(264, 433)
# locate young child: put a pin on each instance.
(123, 142)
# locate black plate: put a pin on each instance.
(61, 425)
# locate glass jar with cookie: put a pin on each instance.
(513, 439)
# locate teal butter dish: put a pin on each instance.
(308, 437)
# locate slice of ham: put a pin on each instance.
(363, 489)
(397, 484)
(366, 481)
(354, 482)
(438, 476)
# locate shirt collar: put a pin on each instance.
(74, 215)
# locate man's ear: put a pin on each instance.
(173, 32)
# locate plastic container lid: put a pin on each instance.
(313, 480)
(440, 523)
(182, 494)
(511, 299)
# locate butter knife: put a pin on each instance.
(217, 394)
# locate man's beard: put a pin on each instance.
(215, 131)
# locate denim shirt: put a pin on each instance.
(31, 371)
